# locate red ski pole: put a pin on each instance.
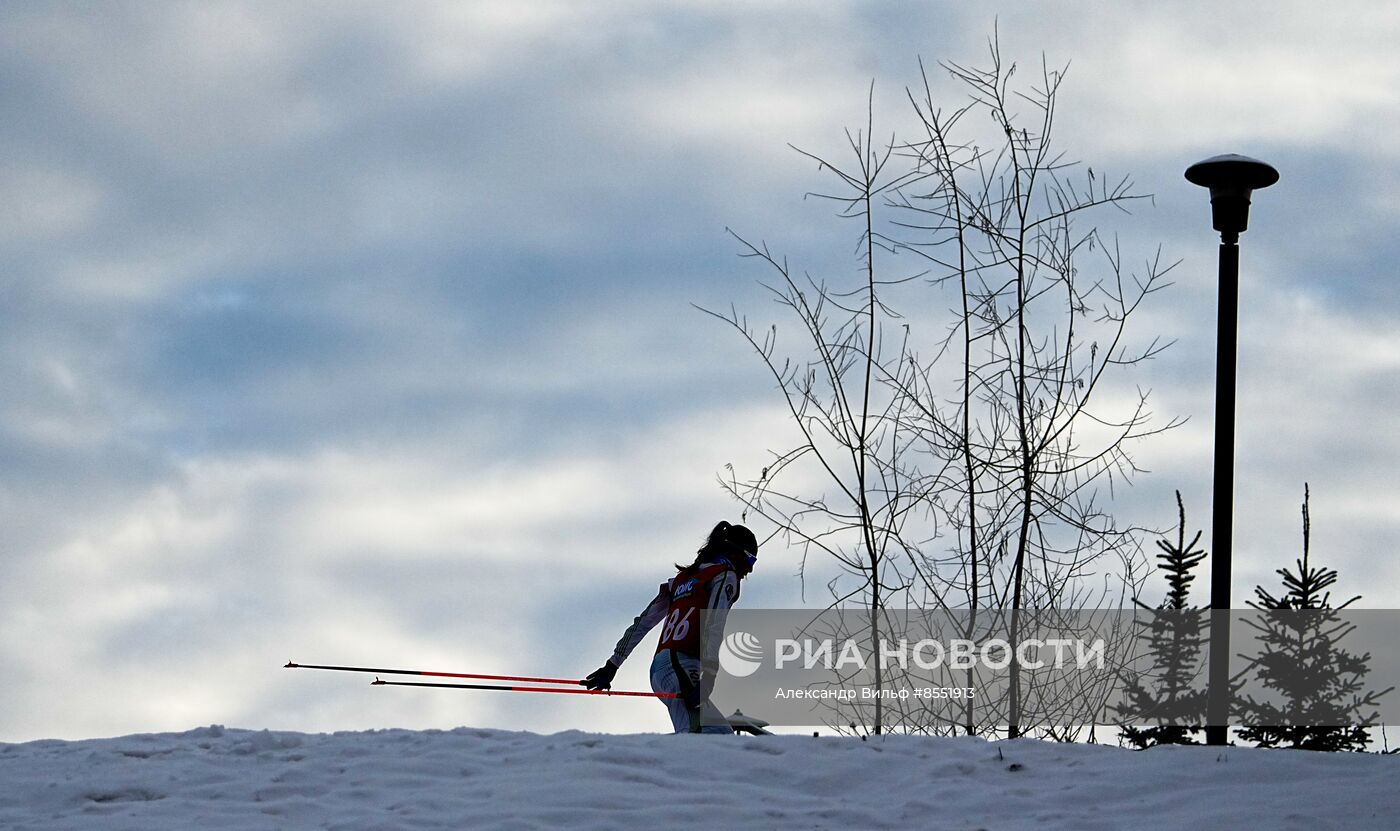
(478, 676)
(526, 678)
(379, 683)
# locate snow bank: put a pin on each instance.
(216, 778)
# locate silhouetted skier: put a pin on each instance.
(693, 606)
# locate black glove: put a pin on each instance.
(601, 678)
(695, 693)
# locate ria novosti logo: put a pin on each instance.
(741, 654)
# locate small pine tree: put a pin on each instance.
(1302, 660)
(1175, 635)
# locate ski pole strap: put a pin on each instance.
(377, 671)
(504, 688)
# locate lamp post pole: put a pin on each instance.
(1231, 179)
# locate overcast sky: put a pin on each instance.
(362, 333)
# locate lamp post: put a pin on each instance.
(1231, 179)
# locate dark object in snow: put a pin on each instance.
(748, 724)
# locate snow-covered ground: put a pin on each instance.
(215, 778)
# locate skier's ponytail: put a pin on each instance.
(725, 542)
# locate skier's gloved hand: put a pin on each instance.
(697, 691)
(601, 678)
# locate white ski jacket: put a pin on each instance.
(714, 599)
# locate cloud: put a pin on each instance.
(374, 554)
(368, 333)
(1196, 75)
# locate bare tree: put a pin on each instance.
(970, 468)
(851, 420)
(1045, 306)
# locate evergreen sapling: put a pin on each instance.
(1175, 633)
(1319, 686)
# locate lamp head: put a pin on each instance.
(1231, 178)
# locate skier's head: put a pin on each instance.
(734, 543)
